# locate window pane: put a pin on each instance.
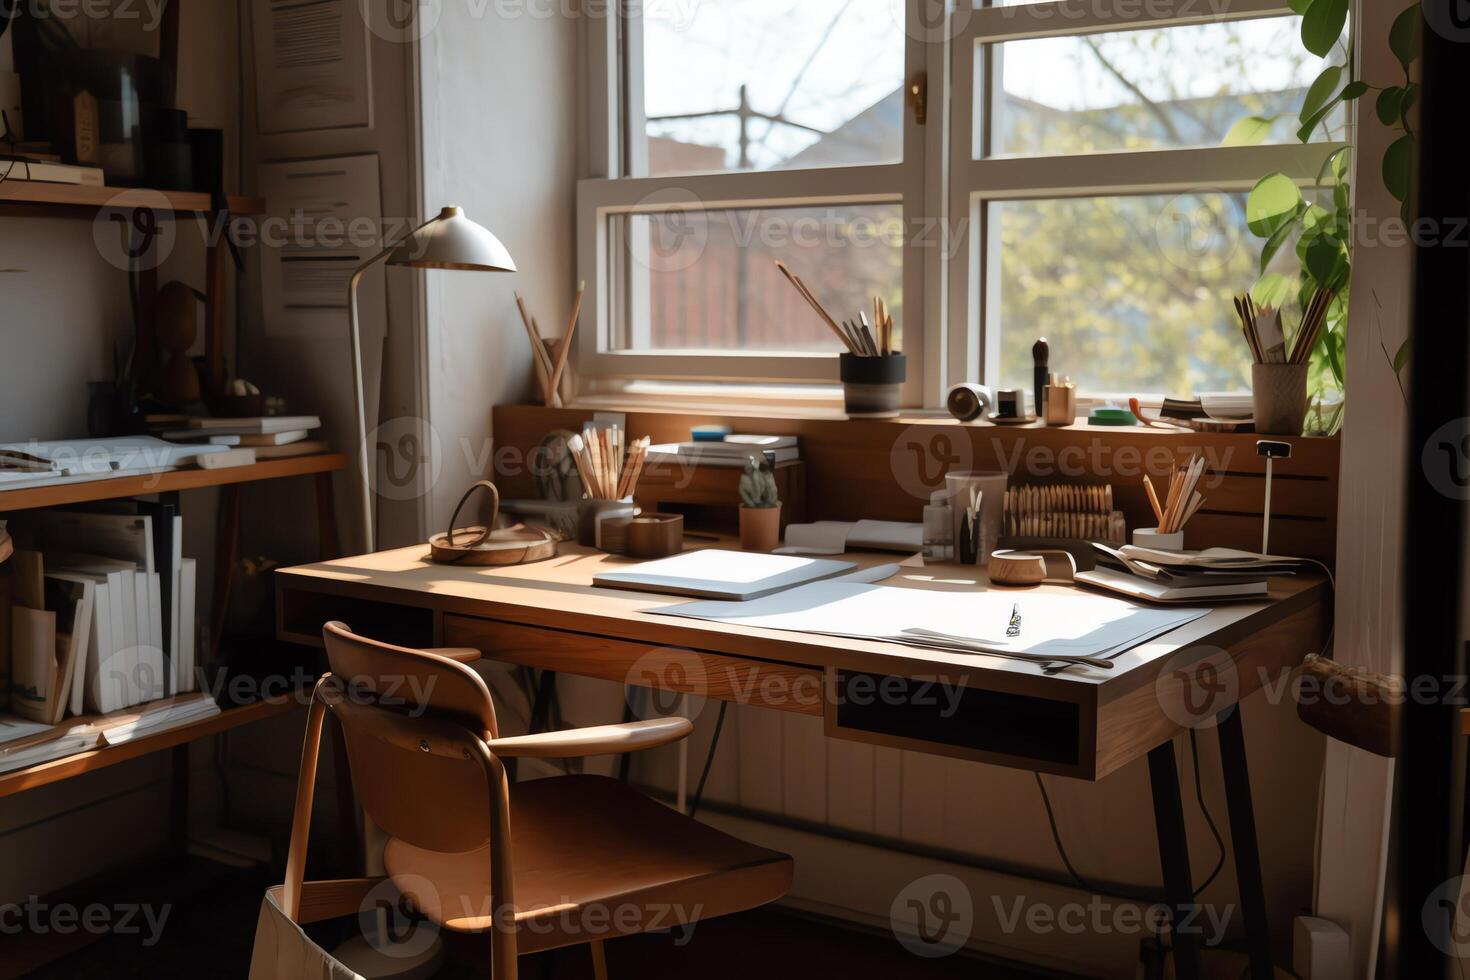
(707, 280)
(1131, 90)
(1133, 293)
(763, 84)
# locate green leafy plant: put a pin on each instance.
(1321, 223)
(758, 486)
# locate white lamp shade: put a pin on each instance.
(452, 241)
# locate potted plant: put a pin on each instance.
(760, 508)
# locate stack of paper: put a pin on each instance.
(157, 716)
(733, 451)
(270, 437)
(1175, 576)
(40, 464)
(27, 743)
(1072, 626)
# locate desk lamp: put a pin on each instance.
(449, 241)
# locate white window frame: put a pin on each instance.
(976, 180)
(606, 193)
(951, 333)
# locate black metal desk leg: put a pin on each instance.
(1163, 774)
(1243, 842)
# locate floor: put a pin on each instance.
(210, 936)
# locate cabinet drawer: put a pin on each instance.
(761, 683)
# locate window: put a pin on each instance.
(732, 135)
(1096, 203)
(1068, 181)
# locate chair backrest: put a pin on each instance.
(399, 708)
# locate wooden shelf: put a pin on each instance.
(93, 198)
(57, 770)
(193, 479)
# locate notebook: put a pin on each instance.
(730, 576)
(1153, 590)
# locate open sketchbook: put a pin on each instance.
(1027, 625)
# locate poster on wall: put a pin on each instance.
(311, 66)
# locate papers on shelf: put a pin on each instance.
(76, 460)
(24, 743)
(1028, 625)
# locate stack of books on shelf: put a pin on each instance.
(265, 437)
(102, 618)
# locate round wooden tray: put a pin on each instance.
(480, 545)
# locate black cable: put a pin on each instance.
(1199, 795)
(1082, 883)
(709, 761)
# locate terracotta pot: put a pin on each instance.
(760, 528)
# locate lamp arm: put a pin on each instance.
(364, 460)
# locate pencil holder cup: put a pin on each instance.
(992, 487)
(1279, 392)
(872, 387)
(1150, 537)
(602, 524)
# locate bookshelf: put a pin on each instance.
(77, 200)
(90, 491)
(320, 466)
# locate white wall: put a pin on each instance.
(500, 98)
(59, 321)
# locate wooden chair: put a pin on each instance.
(539, 865)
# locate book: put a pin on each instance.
(188, 625)
(716, 454)
(47, 644)
(308, 448)
(228, 459)
(259, 438)
(1157, 590)
(106, 677)
(262, 424)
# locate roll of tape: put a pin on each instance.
(968, 402)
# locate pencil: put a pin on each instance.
(1153, 500)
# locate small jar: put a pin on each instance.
(939, 529)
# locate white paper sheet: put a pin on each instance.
(1044, 623)
(311, 65)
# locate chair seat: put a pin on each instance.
(593, 859)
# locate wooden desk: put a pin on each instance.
(1082, 723)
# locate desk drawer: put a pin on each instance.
(761, 683)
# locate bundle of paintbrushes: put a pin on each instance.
(1183, 500)
(1064, 511)
(861, 337)
(609, 466)
(1265, 336)
(550, 356)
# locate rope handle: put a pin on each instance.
(489, 526)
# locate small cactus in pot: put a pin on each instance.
(760, 507)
